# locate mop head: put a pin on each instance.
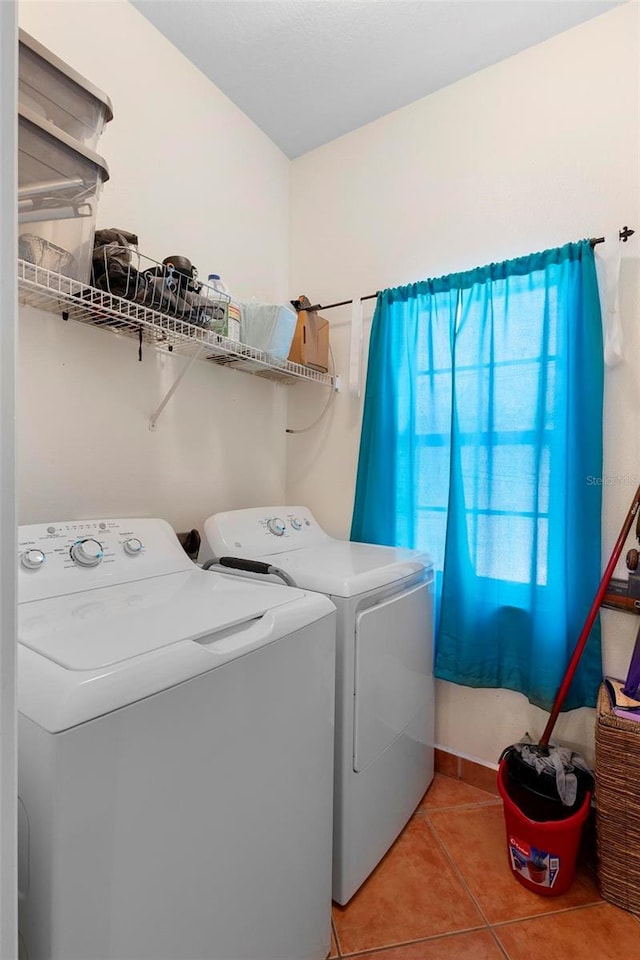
(554, 772)
(621, 704)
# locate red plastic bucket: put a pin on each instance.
(542, 845)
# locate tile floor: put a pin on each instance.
(445, 892)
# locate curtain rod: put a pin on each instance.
(623, 234)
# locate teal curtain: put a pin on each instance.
(482, 445)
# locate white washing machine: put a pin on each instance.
(384, 670)
(176, 734)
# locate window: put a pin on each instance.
(482, 424)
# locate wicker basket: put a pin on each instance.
(618, 805)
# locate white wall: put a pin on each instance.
(191, 175)
(538, 150)
(8, 744)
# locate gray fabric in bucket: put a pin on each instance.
(554, 763)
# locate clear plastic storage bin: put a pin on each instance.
(268, 328)
(55, 92)
(59, 183)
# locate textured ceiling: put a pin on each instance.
(307, 71)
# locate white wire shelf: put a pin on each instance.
(73, 300)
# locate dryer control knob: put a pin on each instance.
(276, 526)
(32, 559)
(86, 553)
(296, 523)
(133, 546)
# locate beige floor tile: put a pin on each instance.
(478, 945)
(600, 932)
(446, 792)
(475, 839)
(413, 893)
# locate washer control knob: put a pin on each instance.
(276, 526)
(133, 546)
(32, 559)
(296, 523)
(86, 553)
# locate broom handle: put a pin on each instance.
(584, 635)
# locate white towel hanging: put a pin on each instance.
(355, 352)
(608, 260)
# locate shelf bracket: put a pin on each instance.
(153, 422)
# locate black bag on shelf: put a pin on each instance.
(170, 287)
(111, 267)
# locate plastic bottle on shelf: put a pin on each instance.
(229, 325)
(217, 283)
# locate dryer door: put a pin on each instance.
(393, 669)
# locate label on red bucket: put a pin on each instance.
(537, 866)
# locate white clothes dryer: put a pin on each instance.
(384, 669)
(176, 736)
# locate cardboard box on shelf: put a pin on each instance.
(310, 346)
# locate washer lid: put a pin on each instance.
(341, 568)
(102, 627)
